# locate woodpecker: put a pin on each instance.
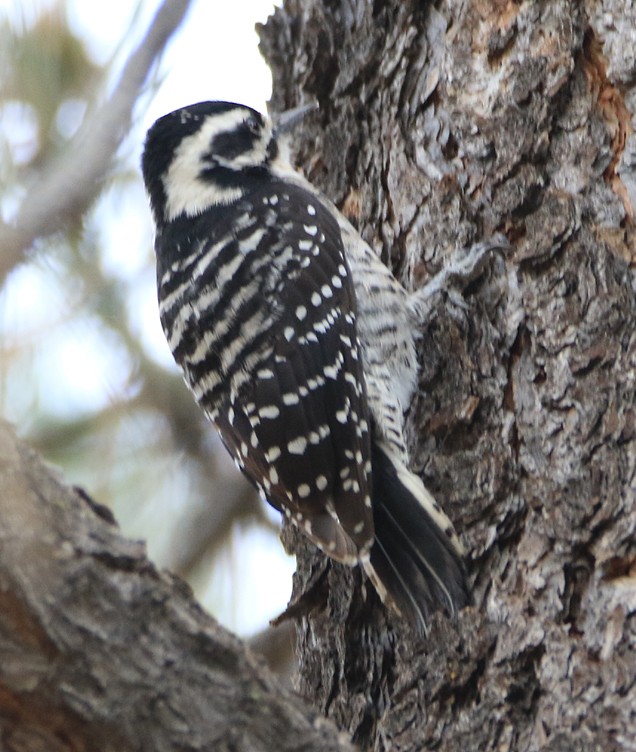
(299, 345)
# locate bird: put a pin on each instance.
(300, 346)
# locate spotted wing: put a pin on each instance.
(299, 426)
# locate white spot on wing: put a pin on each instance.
(297, 445)
(272, 454)
(269, 411)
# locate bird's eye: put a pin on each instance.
(253, 125)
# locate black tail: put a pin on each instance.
(416, 560)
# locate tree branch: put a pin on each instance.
(99, 650)
(67, 187)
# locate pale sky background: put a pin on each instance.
(214, 55)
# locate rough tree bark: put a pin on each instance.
(440, 124)
(99, 651)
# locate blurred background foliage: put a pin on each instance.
(85, 374)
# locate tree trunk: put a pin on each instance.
(441, 124)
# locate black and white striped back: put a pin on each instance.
(257, 305)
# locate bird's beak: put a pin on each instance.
(290, 118)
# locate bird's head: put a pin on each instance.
(207, 154)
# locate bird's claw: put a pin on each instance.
(458, 274)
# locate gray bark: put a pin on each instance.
(100, 651)
(441, 124)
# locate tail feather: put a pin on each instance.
(416, 560)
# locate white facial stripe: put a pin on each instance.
(185, 191)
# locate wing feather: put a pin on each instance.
(299, 425)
